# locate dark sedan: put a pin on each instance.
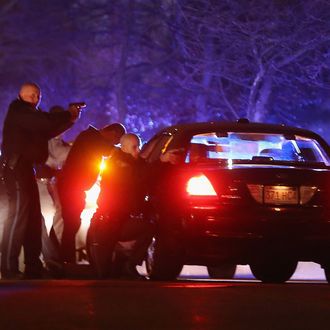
(224, 194)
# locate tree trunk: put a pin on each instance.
(120, 87)
(260, 113)
(254, 91)
(201, 99)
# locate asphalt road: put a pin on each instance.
(198, 304)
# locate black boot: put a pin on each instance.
(129, 272)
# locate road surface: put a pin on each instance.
(197, 304)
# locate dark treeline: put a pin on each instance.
(152, 63)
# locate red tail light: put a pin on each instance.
(200, 186)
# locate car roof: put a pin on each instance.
(237, 127)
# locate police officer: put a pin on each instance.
(121, 206)
(26, 132)
(46, 174)
(79, 173)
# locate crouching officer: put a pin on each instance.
(119, 217)
(26, 132)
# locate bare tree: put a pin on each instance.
(130, 50)
(152, 63)
(247, 53)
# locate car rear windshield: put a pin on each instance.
(259, 147)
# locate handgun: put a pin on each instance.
(78, 105)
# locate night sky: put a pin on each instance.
(153, 63)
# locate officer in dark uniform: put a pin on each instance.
(79, 173)
(120, 213)
(26, 133)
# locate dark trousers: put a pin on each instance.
(22, 227)
(51, 241)
(72, 203)
(138, 230)
(106, 232)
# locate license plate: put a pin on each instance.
(280, 195)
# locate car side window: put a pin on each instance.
(148, 147)
(154, 147)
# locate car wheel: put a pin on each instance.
(327, 273)
(164, 260)
(225, 271)
(273, 271)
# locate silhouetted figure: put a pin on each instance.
(120, 213)
(47, 173)
(26, 133)
(79, 173)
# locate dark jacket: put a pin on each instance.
(82, 166)
(26, 132)
(123, 185)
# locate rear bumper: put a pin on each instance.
(240, 250)
(215, 237)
